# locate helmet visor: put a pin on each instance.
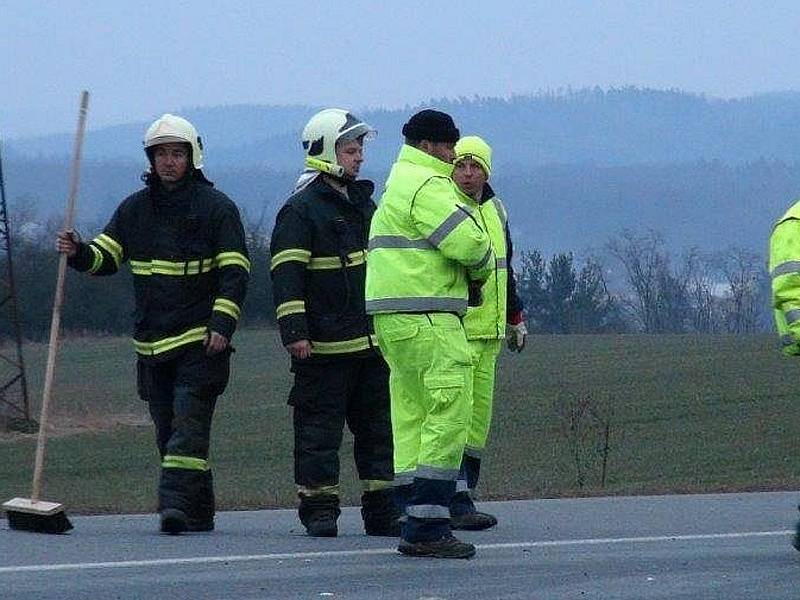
(356, 131)
(165, 139)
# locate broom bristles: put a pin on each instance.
(39, 516)
(25, 521)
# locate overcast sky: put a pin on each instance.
(140, 59)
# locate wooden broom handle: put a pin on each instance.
(55, 323)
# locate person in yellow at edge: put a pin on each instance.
(425, 246)
(784, 270)
(184, 242)
(486, 324)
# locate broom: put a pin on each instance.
(33, 514)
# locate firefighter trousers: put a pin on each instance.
(181, 393)
(326, 395)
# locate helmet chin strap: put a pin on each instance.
(328, 168)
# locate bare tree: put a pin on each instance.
(742, 271)
(699, 276)
(659, 300)
(595, 309)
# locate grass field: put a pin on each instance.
(684, 413)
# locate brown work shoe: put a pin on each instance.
(474, 521)
(445, 547)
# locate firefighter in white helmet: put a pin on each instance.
(184, 243)
(318, 267)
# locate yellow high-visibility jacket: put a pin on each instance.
(784, 269)
(424, 244)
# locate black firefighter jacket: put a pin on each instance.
(190, 265)
(318, 268)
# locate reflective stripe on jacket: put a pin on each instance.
(189, 261)
(424, 242)
(318, 264)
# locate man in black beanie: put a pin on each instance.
(434, 133)
(425, 247)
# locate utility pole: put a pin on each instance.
(14, 408)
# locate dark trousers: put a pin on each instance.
(181, 393)
(468, 474)
(325, 396)
(421, 501)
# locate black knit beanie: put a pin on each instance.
(431, 125)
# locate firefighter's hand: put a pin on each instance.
(67, 242)
(515, 336)
(214, 343)
(300, 349)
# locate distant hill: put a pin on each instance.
(573, 167)
(606, 127)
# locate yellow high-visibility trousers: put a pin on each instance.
(484, 355)
(430, 384)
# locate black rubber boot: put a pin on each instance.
(174, 521)
(201, 515)
(796, 538)
(380, 513)
(204, 524)
(319, 513)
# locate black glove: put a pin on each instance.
(475, 293)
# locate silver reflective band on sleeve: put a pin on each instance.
(501, 210)
(788, 340)
(461, 485)
(502, 263)
(791, 266)
(428, 472)
(397, 241)
(792, 316)
(473, 452)
(427, 511)
(458, 216)
(405, 478)
(433, 304)
(480, 264)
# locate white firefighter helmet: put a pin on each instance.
(323, 131)
(171, 129)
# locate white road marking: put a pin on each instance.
(196, 560)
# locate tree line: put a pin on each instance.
(654, 292)
(633, 284)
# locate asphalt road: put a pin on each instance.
(700, 547)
